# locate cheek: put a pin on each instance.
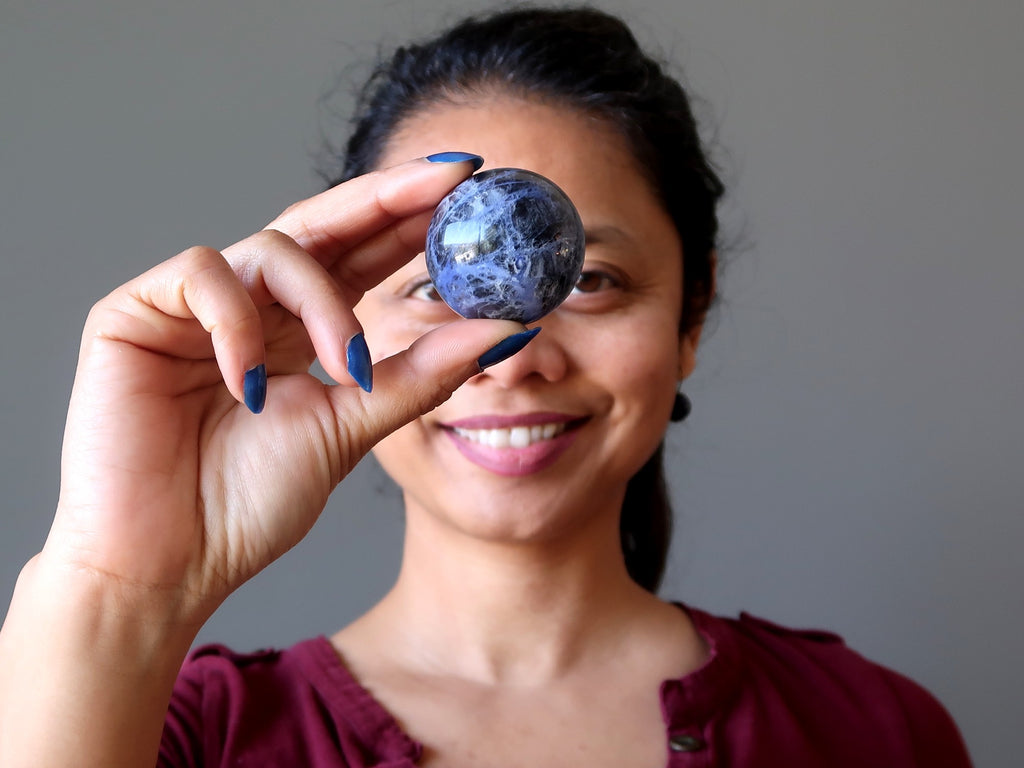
(392, 322)
(389, 327)
(645, 374)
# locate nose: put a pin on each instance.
(544, 357)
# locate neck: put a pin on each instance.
(515, 613)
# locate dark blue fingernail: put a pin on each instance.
(505, 348)
(360, 367)
(456, 157)
(255, 388)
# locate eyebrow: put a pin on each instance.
(605, 234)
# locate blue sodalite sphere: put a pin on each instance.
(505, 244)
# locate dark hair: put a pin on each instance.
(585, 59)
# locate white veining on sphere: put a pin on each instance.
(506, 243)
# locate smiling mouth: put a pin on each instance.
(512, 437)
(514, 446)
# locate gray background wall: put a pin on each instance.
(853, 460)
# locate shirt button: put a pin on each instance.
(685, 743)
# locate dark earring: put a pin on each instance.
(681, 407)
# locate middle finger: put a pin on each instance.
(273, 268)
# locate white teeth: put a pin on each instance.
(512, 437)
(519, 437)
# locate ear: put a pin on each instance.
(688, 351)
(689, 341)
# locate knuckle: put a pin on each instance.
(271, 240)
(249, 257)
(383, 195)
(293, 222)
(241, 324)
(198, 258)
(196, 265)
(443, 391)
(97, 313)
(429, 391)
(291, 210)
(248, 254)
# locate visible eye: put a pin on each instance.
(424, 290)
(594, 281)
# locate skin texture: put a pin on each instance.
(631, 316)
(172, 492)
(513, 610)
(513, 614)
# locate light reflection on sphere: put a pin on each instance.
(505, 244)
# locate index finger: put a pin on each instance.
(332, 222)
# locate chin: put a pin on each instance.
(446, 491)
(516, 515)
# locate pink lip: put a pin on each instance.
(512, 462)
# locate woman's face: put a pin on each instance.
(548, 439)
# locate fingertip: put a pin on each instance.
(255, 388)
(456, 157)
(358, 362)
(507, 347)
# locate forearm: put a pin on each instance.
(86, 671)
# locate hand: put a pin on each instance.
(170, 485)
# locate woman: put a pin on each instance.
(523, 625)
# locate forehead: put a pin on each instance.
(585, 155)
(502, 120)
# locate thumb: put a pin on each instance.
(417, 380)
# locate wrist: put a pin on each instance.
(84, 606)
(86, 670)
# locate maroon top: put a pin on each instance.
(767, 696)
